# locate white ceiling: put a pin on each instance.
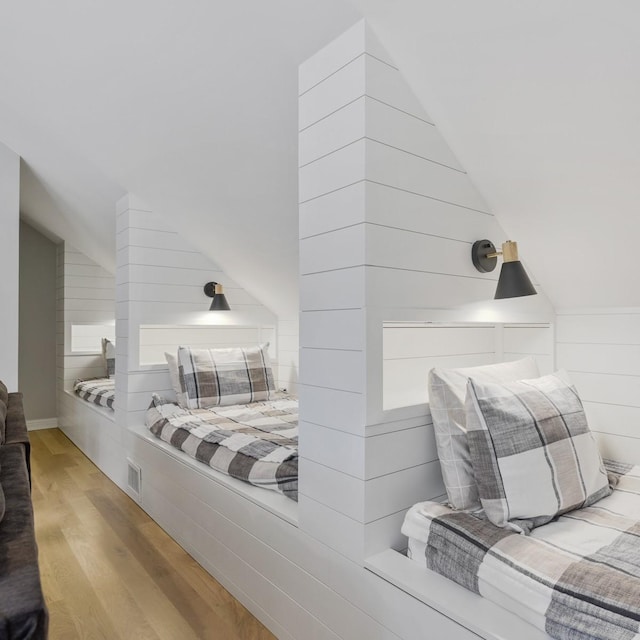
(191, 105)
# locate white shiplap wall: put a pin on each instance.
(387, 220)
(410, 350)
(600, 348)
(159, 281)
(85, 296)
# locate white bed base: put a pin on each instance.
(93, 430)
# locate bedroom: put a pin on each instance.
(503, 142)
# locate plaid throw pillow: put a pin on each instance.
(216, 377)
(534, 457)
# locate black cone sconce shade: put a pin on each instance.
(215, 291)
(514, 281)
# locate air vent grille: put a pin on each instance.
(134, 479)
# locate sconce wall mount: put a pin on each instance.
(514, 281)
(215, 290)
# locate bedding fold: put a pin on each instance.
(256, 443)
(575, 577)
(99, 391)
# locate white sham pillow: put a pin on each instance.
(447, 391)
(174, 377)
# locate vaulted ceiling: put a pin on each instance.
(192, 106)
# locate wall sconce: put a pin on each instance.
(219, 302)
(514, 281)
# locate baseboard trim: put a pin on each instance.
(45, 423)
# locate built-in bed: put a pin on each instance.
(98, 391)
(229, 416)
(541, 527)
(255, 442)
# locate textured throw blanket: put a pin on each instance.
(256, 443)
(576, 577)
(100, 391)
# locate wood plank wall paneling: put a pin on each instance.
(161, 304)
(156, 340)
(387, 219)
(600, 348)
(85, 306)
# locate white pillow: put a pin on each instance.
(447, 391)
(174, 377)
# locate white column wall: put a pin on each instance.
(9, 265)
(387, 220)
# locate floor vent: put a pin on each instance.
(134, 479)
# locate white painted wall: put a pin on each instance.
(37, 340)
(600, 348)
(9, 265)
(387, 220)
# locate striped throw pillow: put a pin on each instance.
(533, 454)
(217, 377)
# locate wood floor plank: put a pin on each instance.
(109, 571)
(85, 606)
(162, 615)
(231, 613)
(123, 611)
(187, 600)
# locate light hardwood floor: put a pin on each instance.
(108, 570)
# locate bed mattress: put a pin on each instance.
(576, 577)
(100, 391)
(256, 443)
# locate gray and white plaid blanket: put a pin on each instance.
(256, 443)
(100, 391)
(576, 577)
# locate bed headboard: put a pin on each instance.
(157, 339)
(411, 349)
(151, 374)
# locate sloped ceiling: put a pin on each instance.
(540, 101)
(192, 106)
(189, 104)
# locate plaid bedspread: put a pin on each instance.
(100, 391)
(575, 578)
(256, 442)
